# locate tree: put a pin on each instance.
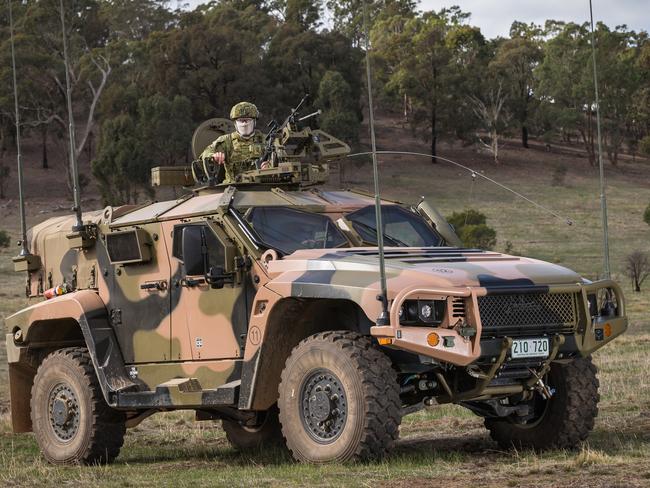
(472, 229)
(489, 110)
(637, 268)
(214, 59)
(165, 128)
(564, 83)
(121, 167)
(335, 99)
(646, 215)
(348, 15)
(159, 134)
(515, 61)
(427, 62)
(89, 67)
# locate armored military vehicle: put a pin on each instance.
(257, 304)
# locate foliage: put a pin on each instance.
(470, 225)
(335, 99)
(121, 164)
(5, 239)
(644, 146)
(637, 268)
(646, 215)
(433, 67)
(428, 62)
(467, 217)
(130, 146)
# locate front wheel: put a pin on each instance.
(72, 422)
(339, 399)
(564, 420)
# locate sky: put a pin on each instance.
(494, 17)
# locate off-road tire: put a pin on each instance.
(96, 431)
(267, 434)
(568, 417)
(367, 399)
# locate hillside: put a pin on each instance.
(439, 446)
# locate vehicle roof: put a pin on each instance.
(208, 203)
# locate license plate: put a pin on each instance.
(530, 348)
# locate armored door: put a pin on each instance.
(210, 301)
(136, 270)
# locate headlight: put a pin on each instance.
(603, 303)
(422, 312)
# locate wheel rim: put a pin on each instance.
(323, 406)
(63, 410)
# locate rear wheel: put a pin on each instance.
(267, 433)
(71, 420)
(339, 399)
(564, 420)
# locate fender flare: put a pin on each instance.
(87, 309)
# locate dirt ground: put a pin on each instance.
(442, 446)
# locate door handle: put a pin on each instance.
(192, 282)
(154, 285)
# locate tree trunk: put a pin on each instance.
(44, 146)
(89, 147)
(495, 145)
(524, 136)
(434, 136)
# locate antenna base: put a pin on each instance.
(26, 262)
(383, 318)
(82, 238)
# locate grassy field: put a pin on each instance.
(442, 446)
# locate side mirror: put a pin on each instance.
(443, 227)
(193, 254)
(216, 277)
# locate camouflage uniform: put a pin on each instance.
(240, 152)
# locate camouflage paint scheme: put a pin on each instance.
(161, 340)
(239, 152)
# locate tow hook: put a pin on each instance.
(541, 387)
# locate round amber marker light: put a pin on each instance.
(608, 329)
(433, 339)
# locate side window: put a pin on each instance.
(177, 245)
(197, 246)
(216, 251)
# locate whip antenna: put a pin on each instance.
(24, 249)
(73, 157)
(603, 188)
(383, 298)
(475, 174)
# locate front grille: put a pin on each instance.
(458, 308)
(525, 314)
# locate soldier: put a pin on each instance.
(238, 150)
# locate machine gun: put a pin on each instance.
(276, 130)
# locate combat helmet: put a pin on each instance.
(244, 109)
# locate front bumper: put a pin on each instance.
(587, 334)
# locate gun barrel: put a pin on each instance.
(314, 114)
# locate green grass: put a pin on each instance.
(446, 445)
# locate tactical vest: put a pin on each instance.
(242, 153)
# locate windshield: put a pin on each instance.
(401, 227)
(288, 230)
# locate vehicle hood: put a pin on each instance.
(444, 267)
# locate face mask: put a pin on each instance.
(245, 127)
